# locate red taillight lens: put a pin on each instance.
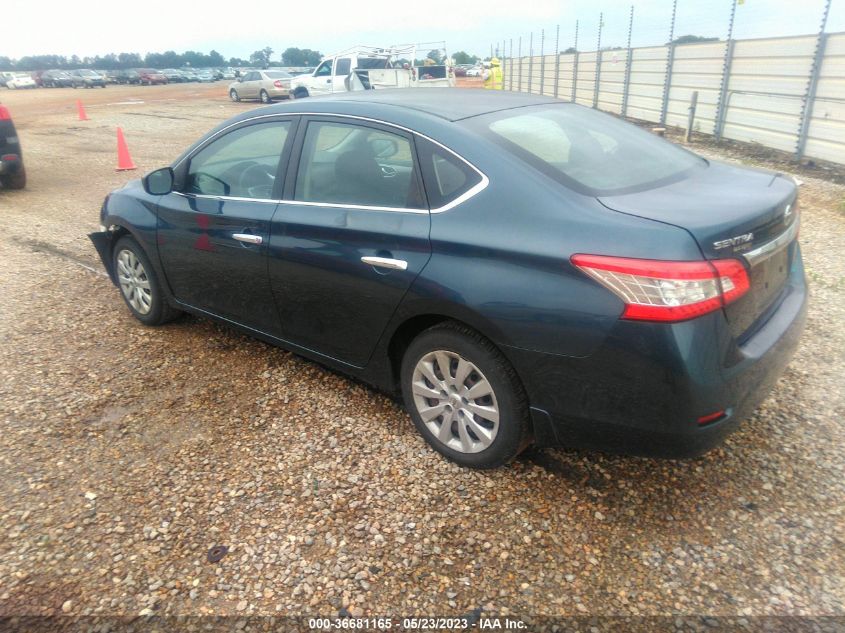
(713, 417)
(656, 290)
(4, 114)
(278, 83)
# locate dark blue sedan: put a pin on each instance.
(521, 269)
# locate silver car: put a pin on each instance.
(264, 85)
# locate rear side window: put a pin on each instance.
(343, 67)
(446, 176)
(357, 165)
(242, 163)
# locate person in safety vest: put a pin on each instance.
(493, 75)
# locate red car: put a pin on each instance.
(151, 76)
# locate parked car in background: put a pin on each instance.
(173, 75)
(85, 78)
(264, 85)
(475, 71)
(128, 77)
(110, 76)
(20, 81)
(56, 79)
(12, 172)
(521, 269)
(150, 76)
(206, 76)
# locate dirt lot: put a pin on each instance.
(128, 452)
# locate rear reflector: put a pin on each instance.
(657, 290)
(707, 419)
(4, 114)
(8, 158)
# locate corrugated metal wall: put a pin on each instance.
(764, 97)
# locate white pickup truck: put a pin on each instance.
(369, 68)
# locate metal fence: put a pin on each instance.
(785, 93)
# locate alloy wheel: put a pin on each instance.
(455, 401)
(134, 282)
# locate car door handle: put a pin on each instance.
(249, 238)
(386, 262)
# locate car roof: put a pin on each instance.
(450, 104)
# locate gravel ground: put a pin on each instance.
(128, 452)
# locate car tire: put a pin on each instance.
(481, 399)
(233, 95)
(265, 98)
(14, 181)
(300, 93)
(139, 285)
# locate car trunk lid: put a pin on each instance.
(731, 212)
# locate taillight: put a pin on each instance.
(657, 290)
(279, 84)
(4, 114)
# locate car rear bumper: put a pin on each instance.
(279, 93)
(645, 389)
(9, 165)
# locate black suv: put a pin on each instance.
(12, 173)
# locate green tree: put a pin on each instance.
(261, 58)
(462, 57)
(301, 57)
(436, 55)
(130, 60)
(692, 39)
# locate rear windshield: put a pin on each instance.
(591, 152)
(369, 63)
(276, 74)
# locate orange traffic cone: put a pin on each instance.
(80, 109)
(124, 160)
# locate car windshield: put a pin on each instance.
(87, 73)
(277, 74)
(591, 152)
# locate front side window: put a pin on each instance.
(592, 152)
(243, 163)
(357, 165)
(324, 69)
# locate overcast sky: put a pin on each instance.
(237, 29)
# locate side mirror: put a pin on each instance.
(240, 79)
(158, 182)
